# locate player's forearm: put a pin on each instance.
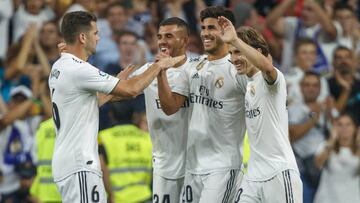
(256, 58)
(22, 57)
(135, 85)
(140, 82)
(104, 98)
(167, 100)
(46, 105)
(323, 156)
(15, 114)
(341, 102)
(298, 131)
(278, 12)
(43, 60)
(325, 21)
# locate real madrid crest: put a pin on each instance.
(252, 90)
(219, 82)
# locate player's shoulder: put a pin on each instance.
(197, 59)
(196, 63)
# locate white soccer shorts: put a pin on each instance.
(285, 187)
(82, 187)
(166, 190)
(217, 187)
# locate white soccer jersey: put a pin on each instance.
(74, 85)
(217, 123)
(168, 133)
(267, 125)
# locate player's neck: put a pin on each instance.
(218, 54)
(252, 71)
(77, 51)
(311, 103)
(181, 62)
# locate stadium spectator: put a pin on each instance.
(121, 112)
(313, 23)
(344, 85)
(305, 59)
(18, 127)
(23, 59)
(350, 36)
(43, 188)
(107, 51)
(49, 37)
(126, 151)
(30, 12)
(6, 12)
(248, 16)
(309, 121)
(339, 159)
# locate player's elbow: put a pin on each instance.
(134, 92)
(169, 111)
(127, 90)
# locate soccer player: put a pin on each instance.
(74, 85)
(217, 120)
(168, 133)
(272, 175)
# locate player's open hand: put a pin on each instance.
(124, 75)
(228, 32)
(167, 62)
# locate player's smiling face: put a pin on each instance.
(210, 35)
(240, 62)
(172, 40)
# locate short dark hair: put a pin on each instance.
(215, 12)
(311, 73)
(54, 22)
(120, 34)
(342, 6)
(303, 41)
(75, 22)
(176, 21)
(112, 5)
(253, 38)
(341, 48)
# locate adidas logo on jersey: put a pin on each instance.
(196, 75)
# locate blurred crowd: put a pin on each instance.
(315, 43)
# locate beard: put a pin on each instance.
(218, 43)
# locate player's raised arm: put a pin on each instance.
(170, 101)
(135, 85)
(123, 75)
(255, 56)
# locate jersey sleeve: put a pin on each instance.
(278, 83)
(182, 84)
(90, 78)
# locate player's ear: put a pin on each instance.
(82, 38)
(187, 39)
